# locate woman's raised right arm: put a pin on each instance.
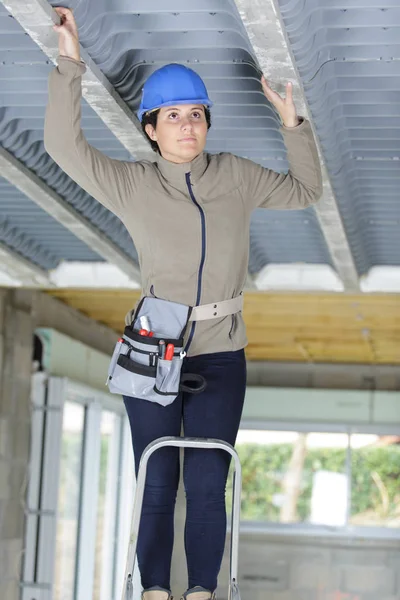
(111, 182)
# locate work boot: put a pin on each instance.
(156, 593)
(199, 593)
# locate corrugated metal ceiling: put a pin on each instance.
(24, 72)
(345, 53)
(348, 57)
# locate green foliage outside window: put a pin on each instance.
(375, 481)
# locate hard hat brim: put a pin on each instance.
(204, 101)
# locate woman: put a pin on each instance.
(188, 213)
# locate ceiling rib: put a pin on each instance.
(272, 49)
(32, 186)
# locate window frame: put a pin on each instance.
(48, 397)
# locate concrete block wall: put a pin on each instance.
(16, 331)
(285, 567)
(273, 568)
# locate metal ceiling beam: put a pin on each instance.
(37, 17)
(17, 267)
(272, 49)
(32, 186)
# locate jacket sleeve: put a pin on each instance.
(299, 188)
(111, 182)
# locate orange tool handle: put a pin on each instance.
(169, 353)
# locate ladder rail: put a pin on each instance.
(185, 442)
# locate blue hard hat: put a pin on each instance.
(170, 85)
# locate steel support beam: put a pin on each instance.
(19, 268)
(32, 186)
(37, 17)
(272, 49)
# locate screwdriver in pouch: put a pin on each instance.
(161, 349)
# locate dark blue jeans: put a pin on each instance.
(214, 413)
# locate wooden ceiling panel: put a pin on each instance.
(304, 327)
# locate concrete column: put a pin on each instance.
(16, 335)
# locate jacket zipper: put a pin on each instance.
(203, 255)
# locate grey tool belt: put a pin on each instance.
(147, 360)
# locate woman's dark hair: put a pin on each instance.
(151, 119)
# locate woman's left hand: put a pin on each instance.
(284, 106)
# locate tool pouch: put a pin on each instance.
(136, 368)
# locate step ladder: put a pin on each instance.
(185, 442)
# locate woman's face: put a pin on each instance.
(180, 133)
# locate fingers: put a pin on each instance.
(289, 92)
(267, 89)
(265, 85)
(284, 106)
(272, 96)
(63, 11)
(66, 16)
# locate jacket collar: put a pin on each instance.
(176, 173)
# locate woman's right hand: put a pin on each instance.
(68, 40)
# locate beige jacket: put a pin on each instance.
(189, 222)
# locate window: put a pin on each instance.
(69, 501)
(80, 494)
(320, 478)
(109, 429)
